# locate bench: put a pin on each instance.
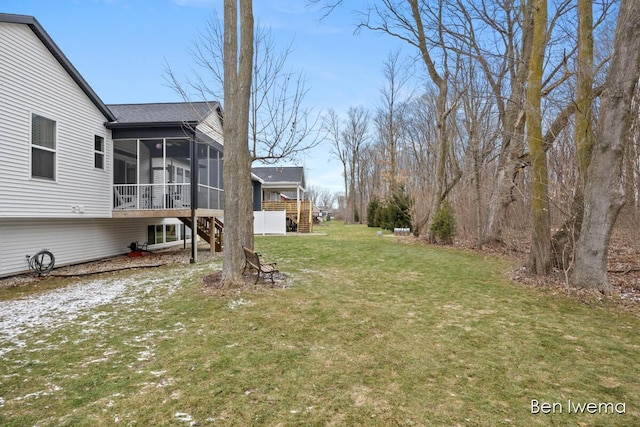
(252, 261)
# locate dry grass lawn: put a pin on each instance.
(364, 330)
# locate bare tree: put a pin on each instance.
(280, 125)
(409, 21)
(327, 5)
(419, 147)
(604, 192)
(238, 59)
(497, 36)
(367, 179)
(479, 129)
(563, 241)
(332, 126)
(354, 137)
(348, 138)
(388, 119)
(540, 255)
(321, 196)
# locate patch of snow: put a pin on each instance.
(145, 355)
(90, 362)
(239, 303)
(58, 307)
(52, 388)
(165, 383)
(181, 416)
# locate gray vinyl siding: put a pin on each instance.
(71, 241)
(212, 127)
(34, 82)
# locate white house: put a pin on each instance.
(83, 179)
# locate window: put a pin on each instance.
(171, 233)
(43, 147)
(98, 144)
(163, 233)
(155, 234)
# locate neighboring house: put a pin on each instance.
(284, 188)
(83, 179)
(280, 183)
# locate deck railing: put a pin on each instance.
(164, 196)
(290, 206)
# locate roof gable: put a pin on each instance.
(48, 42)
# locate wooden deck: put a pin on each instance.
(300, 212)
(165, 213)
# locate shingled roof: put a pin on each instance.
(280, 174)
(175, 112)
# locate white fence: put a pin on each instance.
(269, 222)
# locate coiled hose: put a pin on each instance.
(42, 262)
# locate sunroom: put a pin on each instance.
(167, 159)
(156, 174)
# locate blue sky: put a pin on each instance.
(120, 47)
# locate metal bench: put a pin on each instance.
(252, 262)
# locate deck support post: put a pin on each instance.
(193, 153)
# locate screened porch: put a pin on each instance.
(156, 174)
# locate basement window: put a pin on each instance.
(162, 233)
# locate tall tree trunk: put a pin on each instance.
(477, 176)
(540, 256)
(509, 159)
(352, 193)
(604, 191)
(346, 193)
(563, 242)
(441, 158)
(441, 106)
(238, 215)
(584, 127)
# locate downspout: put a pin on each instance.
(193, 154)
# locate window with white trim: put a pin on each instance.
(43, 147)
(98, 146)
(163, 233)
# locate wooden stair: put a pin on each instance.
(304, 225)
(208, 228)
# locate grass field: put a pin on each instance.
(369, 331)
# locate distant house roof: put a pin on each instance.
(256, 178)
(173, 113)
(281, 174)
(48, 42)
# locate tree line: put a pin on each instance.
(516, 118)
